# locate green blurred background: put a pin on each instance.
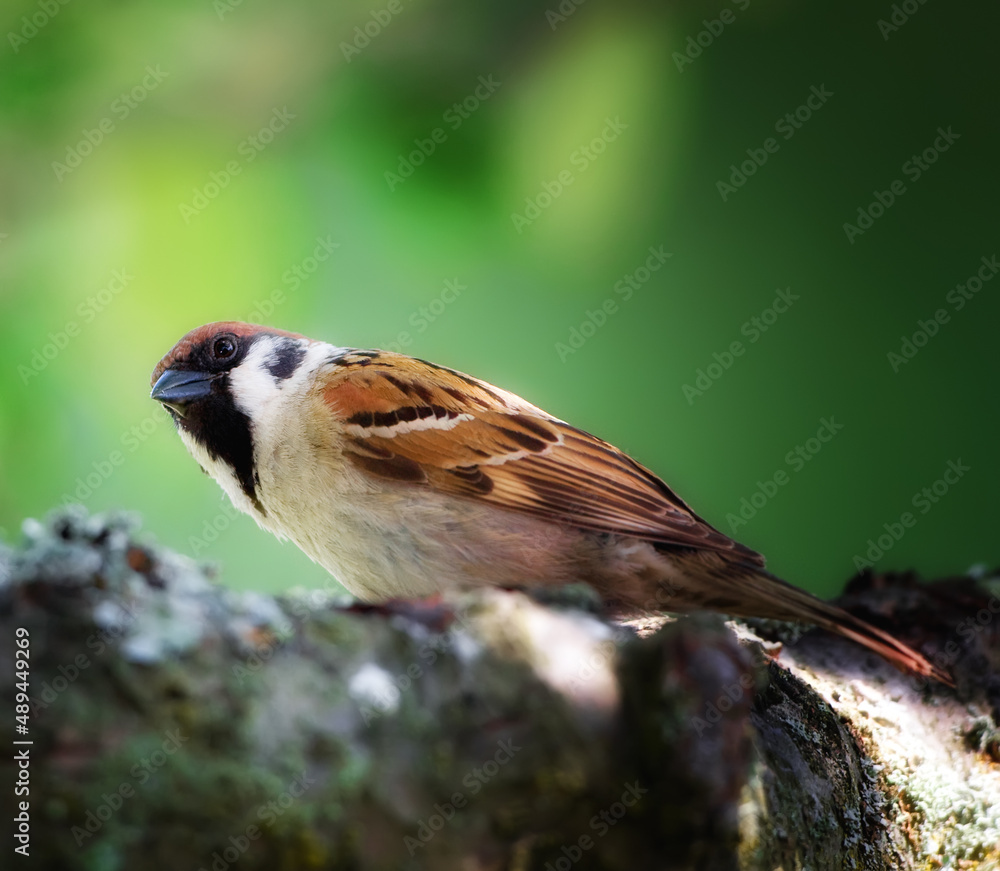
(182, 90)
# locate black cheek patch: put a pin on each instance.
(226, 433)
(285, 359)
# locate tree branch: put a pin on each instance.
(177, 724)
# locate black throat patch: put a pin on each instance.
(227, 435)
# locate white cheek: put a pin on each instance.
(273, 407)
(261, 396)
(253, 387)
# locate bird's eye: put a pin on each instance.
(223, 347)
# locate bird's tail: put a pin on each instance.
(746, 590)
(791, 603)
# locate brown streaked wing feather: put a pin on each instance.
(413, 421)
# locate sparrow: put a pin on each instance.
(403, 478)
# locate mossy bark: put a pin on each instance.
(179, 725)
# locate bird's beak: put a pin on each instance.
(176, 388)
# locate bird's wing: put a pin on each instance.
(412, 421)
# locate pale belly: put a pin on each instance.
(422, 543)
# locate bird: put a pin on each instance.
(404, 479)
